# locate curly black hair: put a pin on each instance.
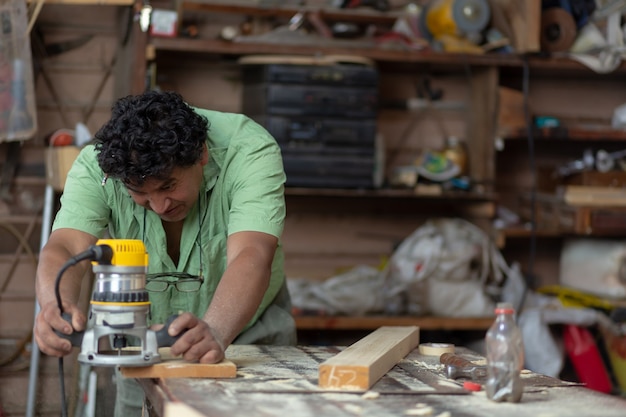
(148, 136)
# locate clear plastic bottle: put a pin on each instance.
(505, 356)
(455, 151)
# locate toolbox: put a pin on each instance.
(323, 117)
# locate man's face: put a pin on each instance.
(172, 198)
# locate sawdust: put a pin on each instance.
(448, 384)
(370, 395)
(437, 368)
(420, 410)
(283, 381)
(355, 409)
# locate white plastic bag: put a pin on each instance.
(18, 119)
(447, 267)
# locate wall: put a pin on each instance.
(72, 86)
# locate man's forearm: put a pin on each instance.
(236, 300)
(50, 264)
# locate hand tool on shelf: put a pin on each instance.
(601, 160)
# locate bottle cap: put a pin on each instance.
(472, 386)
(504, 308)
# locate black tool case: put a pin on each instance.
(323, 117)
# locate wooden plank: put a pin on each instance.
(596, 196)
(178, 409)
(360, 365)
(89, 2)
(176, 367)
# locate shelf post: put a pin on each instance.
(481, 124)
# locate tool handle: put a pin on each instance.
(163, 337)
(76, 338)
(454, 360)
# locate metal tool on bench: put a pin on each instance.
(459, 367)
(119, 308)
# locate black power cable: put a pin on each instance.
(529, 281)
(102, 254)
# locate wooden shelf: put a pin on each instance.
(377, 202)
(387, 193)
(89, 2)
(374, 322)
(365, 15)
(578, 133)
(364, 49)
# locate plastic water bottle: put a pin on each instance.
(505, 356)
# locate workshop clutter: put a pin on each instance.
(18, 119)
(585, 356)
(447, 267)
(595, 266)
(616, 349)
(465, 26)
(445, 168)
(64, 145)
(590, 31)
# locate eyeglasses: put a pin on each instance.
(184, 282)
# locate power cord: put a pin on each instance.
(100, 253)
(529, 281)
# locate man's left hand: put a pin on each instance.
(197, 341)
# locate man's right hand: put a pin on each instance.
(48, 320)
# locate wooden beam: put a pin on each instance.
(176, 367)
(89, 2)
(360, 365)
(178, 409)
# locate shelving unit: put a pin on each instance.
(388, 211)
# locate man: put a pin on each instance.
(205, 192)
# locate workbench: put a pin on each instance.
(283, 381)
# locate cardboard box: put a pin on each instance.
(59, 160)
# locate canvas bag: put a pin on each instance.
(447, 267)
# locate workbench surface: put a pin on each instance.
(282, 381)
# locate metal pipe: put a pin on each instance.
(35, 354)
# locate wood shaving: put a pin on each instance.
(355, 409)
(370, 395)
(283, 381)
(420, 409)
(425, 365)
(445, 414)
(449, 384)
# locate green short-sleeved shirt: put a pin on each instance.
(243, 190)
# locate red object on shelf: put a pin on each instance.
(583, 352)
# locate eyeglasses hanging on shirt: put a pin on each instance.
(182, 281)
